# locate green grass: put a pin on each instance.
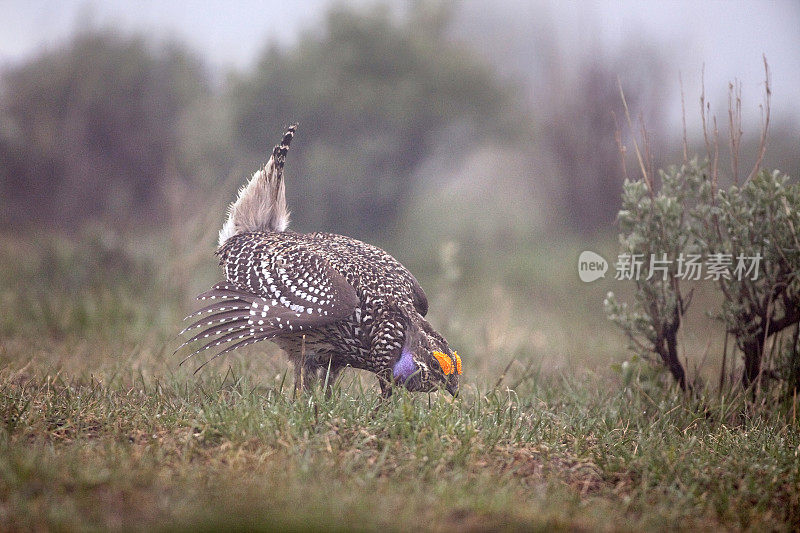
(225, 450)
(100, 429)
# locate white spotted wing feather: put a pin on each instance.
(273, 287)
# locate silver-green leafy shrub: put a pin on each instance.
(689, 216)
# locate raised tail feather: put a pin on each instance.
(280, 151)
(261, 203)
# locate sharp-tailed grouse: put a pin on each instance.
(328, 300)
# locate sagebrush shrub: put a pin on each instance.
(751, 232)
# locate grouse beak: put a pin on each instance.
(452, 388)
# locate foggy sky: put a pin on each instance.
(727, 37)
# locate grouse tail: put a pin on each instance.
(261, 202)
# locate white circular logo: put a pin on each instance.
(591, 266)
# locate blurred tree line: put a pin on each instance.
(93, 130)
(118, 129)
(113, 128)
(372, 96)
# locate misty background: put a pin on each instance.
(429, 92)
(478, 145)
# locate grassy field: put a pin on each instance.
(101, 428)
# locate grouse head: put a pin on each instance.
(426, 362)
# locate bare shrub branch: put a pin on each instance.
(623, 151)
(647, 179)
(683, 120)
(735, 125)
(765, 110)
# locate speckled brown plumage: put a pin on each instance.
(328, 300)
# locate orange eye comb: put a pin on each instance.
(447, 364)
(444, 362)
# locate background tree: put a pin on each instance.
(585, 104)
(93, 130)
(373, 94)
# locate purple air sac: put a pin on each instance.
(404, 367)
